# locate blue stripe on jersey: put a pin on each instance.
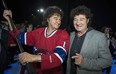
(61, 53)
(22, 38)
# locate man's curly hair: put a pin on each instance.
(51, 11)
(81, 10)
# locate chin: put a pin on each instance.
(78, 29)
(56, 27)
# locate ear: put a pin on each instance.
(87, 20)
(47, 19)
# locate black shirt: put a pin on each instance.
(76, 48)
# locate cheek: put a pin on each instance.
(52, 22)
(74, 23)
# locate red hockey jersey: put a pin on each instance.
(53, 49)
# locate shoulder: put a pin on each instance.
(72, 33)
(63, 33)
(96, 33)
(35, 32)
(39, 30)
(5, 32)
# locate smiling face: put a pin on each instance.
(54, 21)
(80, 23)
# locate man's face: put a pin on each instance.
(54, 21)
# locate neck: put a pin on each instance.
(81, 32)
(49, 31)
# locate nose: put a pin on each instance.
(58, 21)
(76, 22)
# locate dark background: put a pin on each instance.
(103, 10)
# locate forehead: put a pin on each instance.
(80, 16)
(56, 14)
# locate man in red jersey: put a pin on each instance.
(51, 43)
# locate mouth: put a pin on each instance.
(58, 24)
(77, 26)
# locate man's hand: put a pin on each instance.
(27, 57)
(78, 58)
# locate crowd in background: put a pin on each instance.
(13, 49)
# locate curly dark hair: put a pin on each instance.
(82, 9)
(51, 11)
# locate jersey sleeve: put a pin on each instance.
(56, 59)
(27, 38)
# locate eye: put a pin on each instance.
(75, 20)
(55, 18)
(81, 19)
